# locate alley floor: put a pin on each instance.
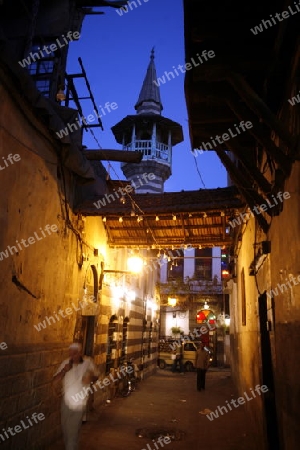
(168, 403)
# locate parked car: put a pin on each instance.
(188, 349)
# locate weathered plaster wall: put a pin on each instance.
(245, 349)
(39, 279)
(282, 263)
(285, 262)
(279, 273)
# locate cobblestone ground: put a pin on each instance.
(169, 404)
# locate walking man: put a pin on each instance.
(202, 363)
(76, 375)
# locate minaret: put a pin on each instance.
(150, 133)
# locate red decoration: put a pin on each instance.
(206, 316)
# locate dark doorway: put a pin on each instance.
(267, 375)
(111, 344)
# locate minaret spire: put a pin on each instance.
(149, 100)
(151, 134)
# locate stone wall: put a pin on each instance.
(279, 357)
(43, 273)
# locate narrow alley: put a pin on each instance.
(169, 404)
(149, 177)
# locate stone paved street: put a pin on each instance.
(170, 403)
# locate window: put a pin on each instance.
(203, 264)
(42, 67)
(189, 347)
(175, 266)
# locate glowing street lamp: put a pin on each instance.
(135, 264)
(227, 320)
(172, 301)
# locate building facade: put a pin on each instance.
(192, 296)
(60, 281)
(255, 78)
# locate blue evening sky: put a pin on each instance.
(115, 52)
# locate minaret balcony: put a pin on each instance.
(158, 151)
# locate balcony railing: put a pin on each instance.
(159, 151)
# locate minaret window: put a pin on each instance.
(145, 136)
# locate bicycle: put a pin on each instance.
(129, 382)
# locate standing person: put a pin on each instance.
(76, 375)
(174, 365)
(202, 363)
(177, 358)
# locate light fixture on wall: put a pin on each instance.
(227, 320)
(260, 257)
(172, 301)
(135, 264)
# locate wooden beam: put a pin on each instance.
(168, 243)
(183, 227)
(113, 155)
(252, 170)
(162, 228)
(261, 109)
(250, 195)
(224, 227)
(258, 132)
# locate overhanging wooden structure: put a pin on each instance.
(241, 83)
(172, 219)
